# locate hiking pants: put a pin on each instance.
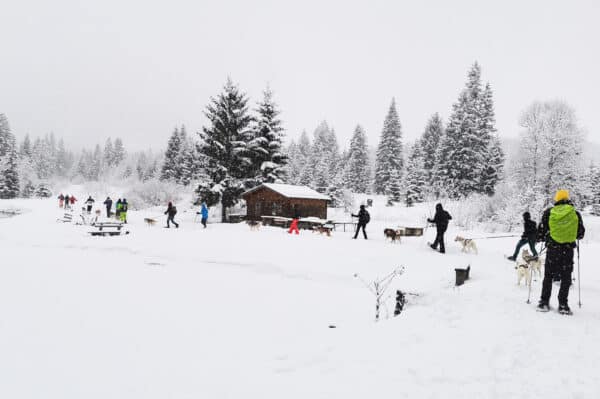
(521, 243)
(361, 226)
(559, 261)
(171, 218)
(439, 240)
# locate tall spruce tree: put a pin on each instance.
(464, 149)
(9, 177)
(171, 168)
(357, 171)
(224, 144)
(266, 149)
(389, 160)
(430, 141)
(416, 175)
(109, 153)
(118, 152)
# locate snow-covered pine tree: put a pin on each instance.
(430, 141)
(389, 159)
(293, 165)
(464, 147)
(63, 159)
(42, 190)
(266, 146)
(357, 171)
(96, 165)
(322, 159)
(306, 170)
(109, 153)
(28, 189)
(25, 147)
(185, 159)
(42, 158)
(224, 146)
(118, 152)
(9, 176)
(171, 168)
(394, 188)
(416, 175)
(494, 166)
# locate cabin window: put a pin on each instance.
(277, 208)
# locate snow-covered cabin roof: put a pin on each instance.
(291, 191)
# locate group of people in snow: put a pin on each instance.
(121, 207)
(560, 230)
(66, 201)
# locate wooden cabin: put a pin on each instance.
(284, 200)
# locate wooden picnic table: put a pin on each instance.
(275, 221)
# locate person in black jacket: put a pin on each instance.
(440, 220)
(171, 212)
(363, 219)
(529, 237)
(108, 204)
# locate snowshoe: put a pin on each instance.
(543, 307)
(564, 309)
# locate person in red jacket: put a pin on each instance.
(294, 225)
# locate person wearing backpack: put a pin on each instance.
(440, 219)
(123, 213)
(561, 227)
(363, 219)
(171, 212)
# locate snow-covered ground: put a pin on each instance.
(231, 313)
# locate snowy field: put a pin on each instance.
(231, 313)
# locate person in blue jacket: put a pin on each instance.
(204, 214)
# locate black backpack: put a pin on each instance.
(174, 210)
(367, 217)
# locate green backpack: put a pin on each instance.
(563, 224)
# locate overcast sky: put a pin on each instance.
(87, 70)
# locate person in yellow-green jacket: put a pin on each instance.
(561, 227)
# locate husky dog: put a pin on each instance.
(254, 225)
(150, 221)
(468, 245)
(322, 230)
(534, 263)
(393, 235)
(523, 271)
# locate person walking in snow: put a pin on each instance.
(123, 213)
(72, 199)
(561, 227)
(171, 212)
(529, 237)
(440, 219)
(118, 206)
(61, 200)
(67, 199)
(363, 219)
(108, 204)
(89, 204)
(203, 214)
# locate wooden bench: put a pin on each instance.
(108, 229)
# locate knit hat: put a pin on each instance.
(561, 195)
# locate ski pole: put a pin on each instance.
(529, 294)
(578, 274)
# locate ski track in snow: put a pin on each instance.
(228, 312)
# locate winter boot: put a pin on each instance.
(511, 258)
(564, 309)
(543, 307)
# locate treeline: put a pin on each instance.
(462, 158)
